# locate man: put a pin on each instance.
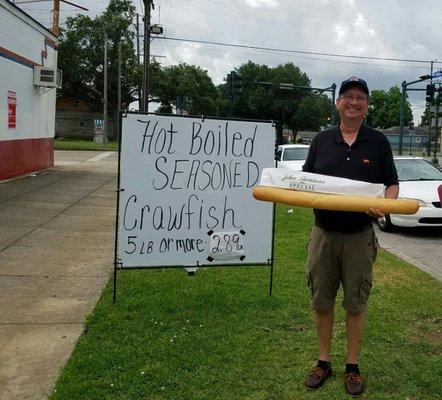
(342, 245)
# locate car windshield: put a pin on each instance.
(417, 170)
(295, 153)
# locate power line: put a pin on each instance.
(285, 12)
(302, 25)
(262, 53)
(296, 51)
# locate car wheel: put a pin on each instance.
(385, 224)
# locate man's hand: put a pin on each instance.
(391, 192)
(375, 213)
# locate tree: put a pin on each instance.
(81, 57)
(425, 119)
(384, 109)
(262, 98)
(190, 82)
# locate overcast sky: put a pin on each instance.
(403, 29)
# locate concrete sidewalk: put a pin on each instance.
(56, 255)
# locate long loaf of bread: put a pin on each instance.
(334, 201)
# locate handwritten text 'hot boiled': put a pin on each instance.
(202, 168)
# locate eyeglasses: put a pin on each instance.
(350, 98)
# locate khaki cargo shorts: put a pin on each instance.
(335, 258)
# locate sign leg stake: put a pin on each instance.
(273, 249)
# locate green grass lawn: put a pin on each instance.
(77, 144)
(218, 335)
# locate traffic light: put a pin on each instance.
(237, 83)
(431, 89)
(234, 83)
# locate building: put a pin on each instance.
(78, 121)
(412, 140)
(27, 110)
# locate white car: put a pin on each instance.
(419, 180)
(291, 156)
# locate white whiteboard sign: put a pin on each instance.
(186, 191)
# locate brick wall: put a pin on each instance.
(79, 124)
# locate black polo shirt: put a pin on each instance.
(368, 159)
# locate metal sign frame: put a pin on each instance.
(117, 262)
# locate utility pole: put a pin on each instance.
(146, 54)
(429, 116)
(56, 18)
(119, 88)
(333, 110)
(401, 116)
(436, 134)
(436, 128)
(140, 101)
(105, 90)
(55, 11)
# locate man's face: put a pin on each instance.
(352, 104)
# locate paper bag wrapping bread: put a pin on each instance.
(284, 178)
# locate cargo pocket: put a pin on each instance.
(310, 283)
(307, 245)
(374, 246)
(365, 288)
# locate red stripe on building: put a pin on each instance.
(19, 157)
(17, 57)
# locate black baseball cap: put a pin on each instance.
(354, 81)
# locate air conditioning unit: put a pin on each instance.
(47, 77)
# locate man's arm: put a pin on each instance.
(391, 192)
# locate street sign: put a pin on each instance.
(437, 76)
(156, 29)
(286, 86)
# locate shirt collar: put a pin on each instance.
(362, 134)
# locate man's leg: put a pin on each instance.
(324, 328)
(358, 257)
(355, 328)
(323, 280)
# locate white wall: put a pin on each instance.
(25, 39)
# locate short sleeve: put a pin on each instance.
(309, 164)
(390, 173)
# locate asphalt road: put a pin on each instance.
(421, 247)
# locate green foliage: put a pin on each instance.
(78, 144)
(425, 119)
(384, 109)
(297, 109)
(218, 335)
(81, 56)
(187, 81)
